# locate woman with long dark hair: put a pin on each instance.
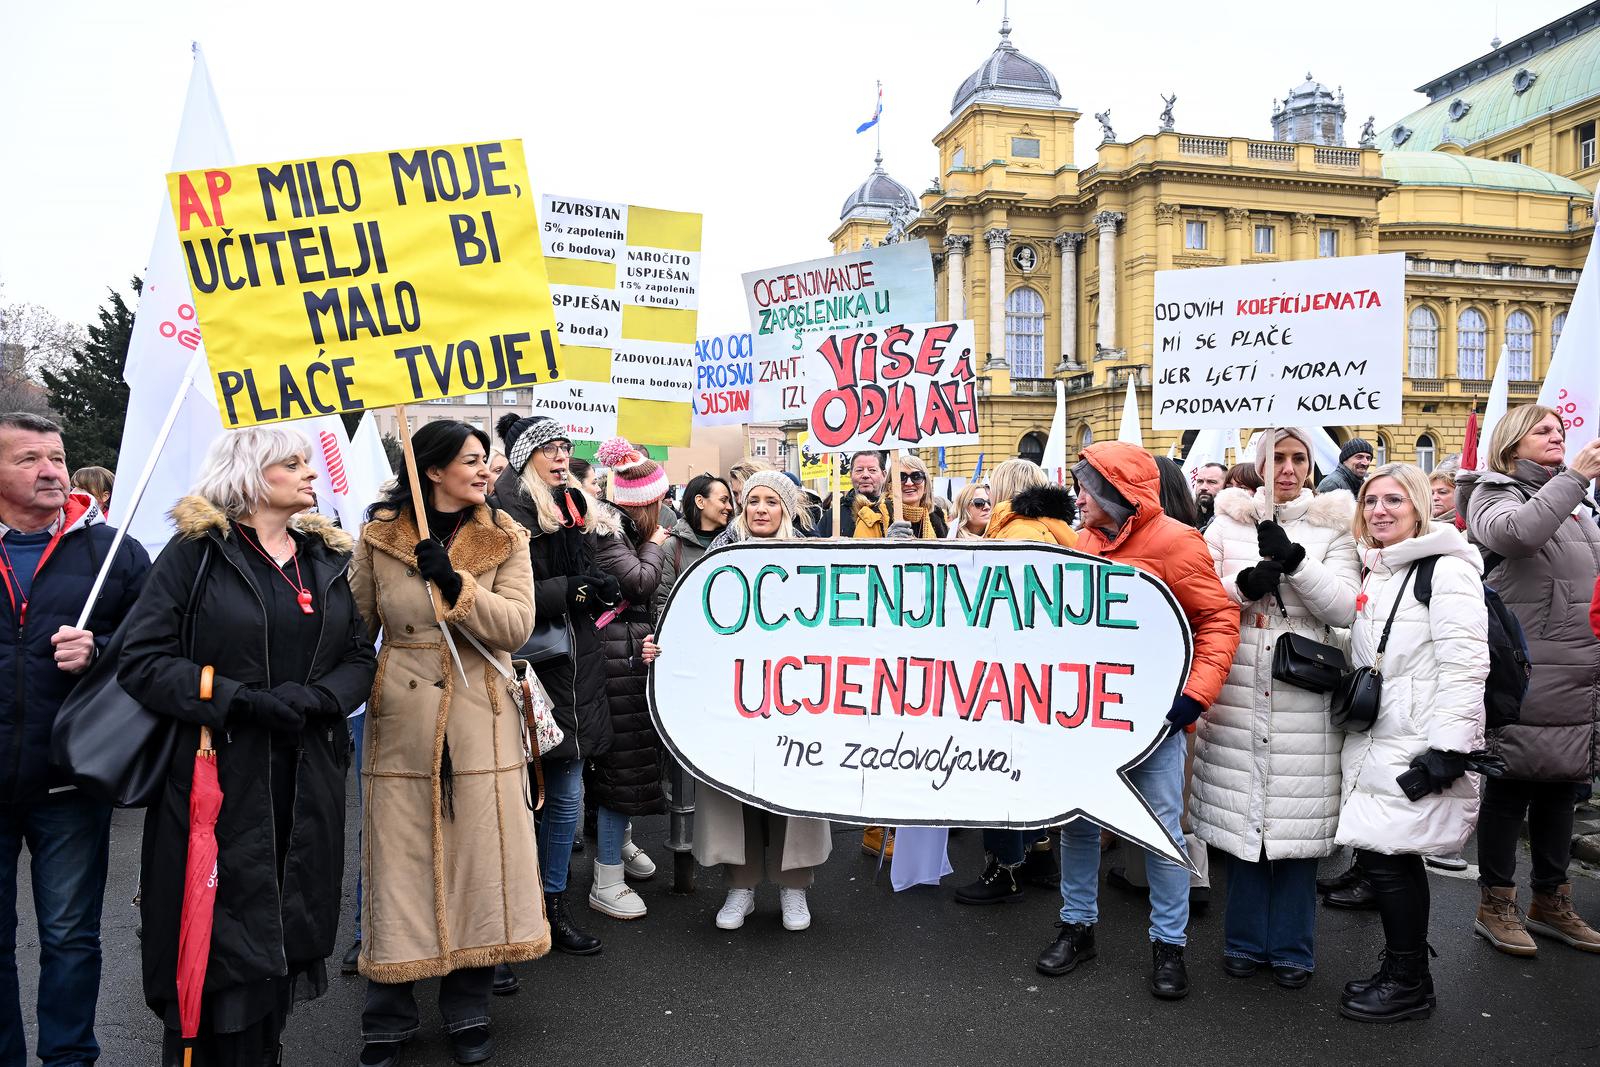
(569, 593)
(450, 876)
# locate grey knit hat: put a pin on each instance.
(787, 491)
(527, 434)
(1354, 447)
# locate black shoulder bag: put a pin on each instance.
(1356, 702)
(111, 746)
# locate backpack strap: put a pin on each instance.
(1424, 586)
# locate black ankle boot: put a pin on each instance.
(1169, 977)
(1073, 945)
(1400, 991)
(1360, 985)
(1343, 880)
(564, 933)
(996, 885)
(1357, 896)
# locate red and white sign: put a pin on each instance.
(904, 386)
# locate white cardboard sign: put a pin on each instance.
(1007, 685)
(1302, 343)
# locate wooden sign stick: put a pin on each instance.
(421, 511)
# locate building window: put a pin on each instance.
(1025, 147)
(1423, 343)
(1266, 236)
(1557, 324)
(508, 396)
(474, 398)
(1194, 234)
(1519, 343)
(1425, 452)
(1472, 345)
(1586, 145)
(758, 447)
(1327, 243)
(1085, 438)
(959, 158)
(1025, 333)
(1031, 448)
(1513, 156)
(1381, 455)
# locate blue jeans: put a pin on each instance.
(1007, 846)
(68, 836)
(612, 829)
(1159, 780)
(1272, 912)
(358, 737)
(563, 790)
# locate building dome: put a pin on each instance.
(1008, 77)
(1462, 171)
(1310, 113)
(879, 197)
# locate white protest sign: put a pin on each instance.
(899, 386)
(724, 370)
(857, 290)
(1008, 685)
(587, 411)
(1302, 343)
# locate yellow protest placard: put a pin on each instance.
(815, 464)
(346, 282)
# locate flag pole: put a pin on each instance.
(140, 485)
(421, 514)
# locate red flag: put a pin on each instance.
(199, 888)
(1469, 450)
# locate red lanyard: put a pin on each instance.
(7, 570)
(302, 595)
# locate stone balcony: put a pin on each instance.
(1508, 272)
(1241, 152)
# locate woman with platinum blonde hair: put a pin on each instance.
(247, 626)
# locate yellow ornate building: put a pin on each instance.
(1487, 190)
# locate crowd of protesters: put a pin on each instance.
(262, 626)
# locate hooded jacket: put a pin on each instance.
(27, 658)
(1042, 513)
(259, 927)
(1341, 477)
(1160, 545)
(1266, 756)
(1537, 521)
(1434, 669)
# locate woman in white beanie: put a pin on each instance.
(747, 840)
(1266, 759)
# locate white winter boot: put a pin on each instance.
(635, 863)
(611, 895)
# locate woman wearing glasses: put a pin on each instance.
(919, 517)
(569, 593)
(973, 507)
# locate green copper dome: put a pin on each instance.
(1448, 168)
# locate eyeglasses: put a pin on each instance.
(552, 449)
(979, 502)
(1391, 502)
(912, 477)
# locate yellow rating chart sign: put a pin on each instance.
(346, 282)
(625, 287)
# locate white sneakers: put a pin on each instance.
(796, 915)
(611, 895)
(635, 863)
(740, 902)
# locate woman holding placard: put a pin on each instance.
(1266, 755)
(745, 840)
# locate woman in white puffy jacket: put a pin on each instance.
(1266, 758)
(1430, 715)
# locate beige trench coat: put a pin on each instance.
(443, 893)
(719, 833)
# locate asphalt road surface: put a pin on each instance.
(913, 977)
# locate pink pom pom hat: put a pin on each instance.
(636, 479)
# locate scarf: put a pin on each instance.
(872, 518)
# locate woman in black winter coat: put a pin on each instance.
(275, 619)
(627, 778)
(569, 593)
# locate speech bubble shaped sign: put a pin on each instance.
(936, 684)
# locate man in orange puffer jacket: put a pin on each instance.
(1119, 499)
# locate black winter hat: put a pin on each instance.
(1354, 447)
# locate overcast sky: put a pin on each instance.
(743, 111)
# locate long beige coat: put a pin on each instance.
(443, 893)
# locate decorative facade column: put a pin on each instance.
(997, 239)
(1450, 341)
(1497, 333)
(1166, 218)
(1067, 245)
(1107, 222)
(1300, 225)
(938, 269)
(957, 246)
(1233, 241)
(1543, 346)
(1366, 236)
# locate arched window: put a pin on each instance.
(1025, 333)
(1472, 345)
(1031, 447)
(1557, 324)
(1423, 343)
(1426, 449)
(1381, 456)
(1519, 345)
(1085, 437)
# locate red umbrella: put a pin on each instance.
(1469, 458)
(199, 890)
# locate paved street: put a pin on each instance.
(916, 978)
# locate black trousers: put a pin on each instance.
(1401, 883)
(1548, 807)
(391, 1010)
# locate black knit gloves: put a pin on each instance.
(593, 593)
(1275, 545)
(1256, 582)
(433, 561)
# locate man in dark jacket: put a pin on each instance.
(866, 479)
(1354, 459)
(52, 543)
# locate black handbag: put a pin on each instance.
(109, 745)
(1299, 661)
(1357, 701)
(549, 640)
